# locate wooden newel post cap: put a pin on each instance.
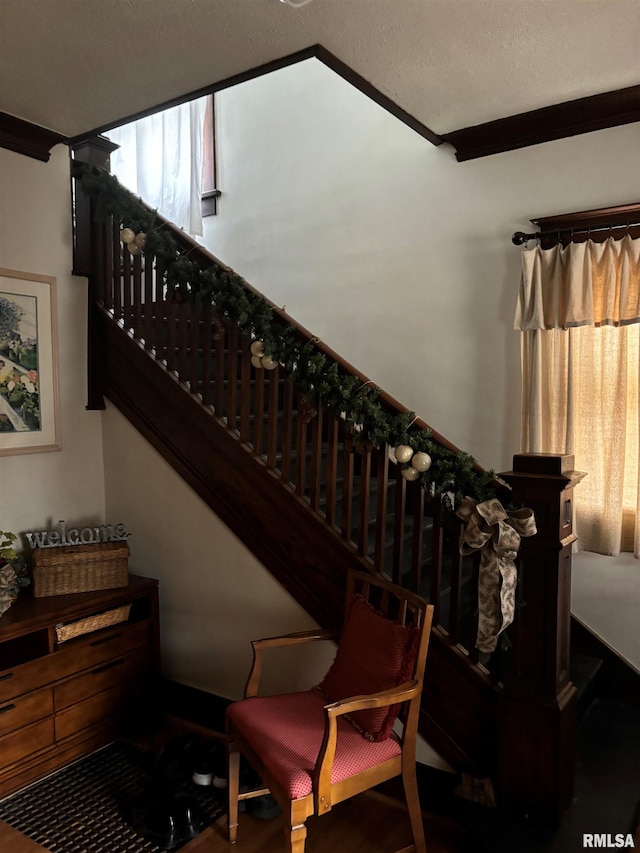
(95, 150)
(548, 466)
(543, 463)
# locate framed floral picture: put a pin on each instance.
(29, 420)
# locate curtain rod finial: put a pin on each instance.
(519, 238)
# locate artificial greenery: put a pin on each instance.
(189, 275)
(10, 557)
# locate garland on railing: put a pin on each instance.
(438, 469)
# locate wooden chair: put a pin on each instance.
(315, 748)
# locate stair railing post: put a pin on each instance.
(89, 262)
(536, 741)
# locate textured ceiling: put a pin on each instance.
(74, 65)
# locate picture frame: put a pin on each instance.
(29, 417)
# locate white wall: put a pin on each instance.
(215, 597)
(396, 255)
(41, 488)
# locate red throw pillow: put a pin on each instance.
(374, 654)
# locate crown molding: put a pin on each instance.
(26, 138)
(359, 82)
(316, 51)
(583, 115)
(211, 89)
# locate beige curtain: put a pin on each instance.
(579, 312)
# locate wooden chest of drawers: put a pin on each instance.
(62, 700)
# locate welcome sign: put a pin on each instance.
(76, 536)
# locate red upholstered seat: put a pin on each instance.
(286, 733)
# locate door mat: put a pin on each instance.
(88, 807)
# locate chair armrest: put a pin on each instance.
(294, 639)
(393, 696)
(324, 765)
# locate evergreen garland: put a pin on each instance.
(451, 475)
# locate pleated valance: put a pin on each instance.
(581, 284)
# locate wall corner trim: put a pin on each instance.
(21, 136)
(571, 118)
(368, 89)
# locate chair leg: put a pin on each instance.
(233, 787)
(410, 784)
(295, 837)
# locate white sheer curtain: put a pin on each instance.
(579, 313)
(160, 159)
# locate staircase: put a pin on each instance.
(292, 479)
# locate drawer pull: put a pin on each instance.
(6, 677)
(7, 708)
(108, 639)
(107, 666)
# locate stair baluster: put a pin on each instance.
(381, 457)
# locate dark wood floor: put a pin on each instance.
(369, 823)
(607, 800)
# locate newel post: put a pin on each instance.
(536, 747)
(89, 261)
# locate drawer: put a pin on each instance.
(125, 669)
(106, 705)
(23, 710)
(26, 677)
(73, 656)
(101, 646)
(25, 741)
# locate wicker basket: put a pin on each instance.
(92, 623)
(80, 568)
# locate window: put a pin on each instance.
(210, 192)
(160, 157)
(579, 311)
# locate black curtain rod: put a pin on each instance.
(520, 237)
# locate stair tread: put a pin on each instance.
(583, 669)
